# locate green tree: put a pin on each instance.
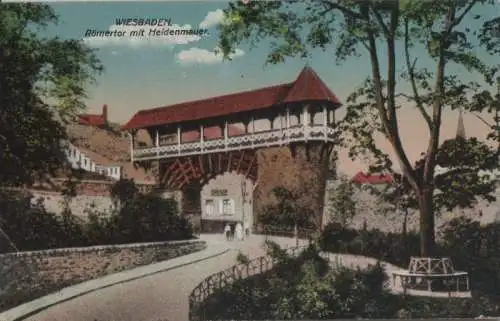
(492, 105)
(463, 181)
(342, 202)
(146, 217)
(468, 176)
(70, 189)
(42, 83)
(123, 191)
(396, 197)
(356, 27)
(286, 212)
(150, 218)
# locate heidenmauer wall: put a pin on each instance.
(393, 222)
(92, 195)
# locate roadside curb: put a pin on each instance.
(33, 307)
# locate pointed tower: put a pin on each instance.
(461, 127)
(308, 86)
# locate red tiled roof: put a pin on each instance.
(362, 178)
(91, 120)
(307, 87)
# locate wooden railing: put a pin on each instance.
(261, 139)
(219, 280)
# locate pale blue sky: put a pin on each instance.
(149, 74)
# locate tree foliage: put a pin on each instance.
(123, 191)
(342, 202)
(146, 218)
(42, 81)
(286, 212)
(468, 174)
(307, 287)
(303, 288)
(442, 55)
(465, 177)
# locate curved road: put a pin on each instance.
(159, 297)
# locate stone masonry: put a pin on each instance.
(301, 169)
(367, 215)
(91, 195)
(28, 275)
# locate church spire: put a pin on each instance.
(461, 126)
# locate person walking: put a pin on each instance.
(239, 231)
(246, 228)
(227, 231)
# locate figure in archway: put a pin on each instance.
(227, 231)
(238, 231)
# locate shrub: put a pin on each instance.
(286, 212)
(148, 218)
(307, 287)
(472, 247)
(391, 247)
(303, 287)
(27, 225)
(140, 218)
(476, 249)
(421, 307)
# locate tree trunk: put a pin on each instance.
(405, 222)
(405, 230)
(427, 237)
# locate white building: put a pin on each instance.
(227, 199)
(81, 158)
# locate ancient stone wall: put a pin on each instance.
(367, 214)
(91, 195)
(99, 188)
(27, 275)
(79, 205)
(301, 169)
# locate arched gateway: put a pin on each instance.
(279, 136)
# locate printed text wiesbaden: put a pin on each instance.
(159, 22)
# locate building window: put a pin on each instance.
(209, 207)
(227, 206)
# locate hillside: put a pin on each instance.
(112, 146)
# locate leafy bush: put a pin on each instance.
(286, 212)
(148, 218)
(33, 229)
(421, 307)
(476, 249)
(307, 287)
(342, 203)
(391, 247)
(472, 247)
(139, 218)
